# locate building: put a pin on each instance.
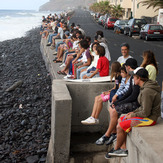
(133, 8)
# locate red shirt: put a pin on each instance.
(103, 66)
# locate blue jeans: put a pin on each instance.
(89, 74)
(51, 37)
(58, 44)
(82, 74)
(79, 70)
(112, 93)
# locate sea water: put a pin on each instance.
(15, 23)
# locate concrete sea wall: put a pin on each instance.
(73, 142)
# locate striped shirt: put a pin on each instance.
(123, 87)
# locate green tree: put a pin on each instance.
(104, 7)
(153, 3)
(117, 11)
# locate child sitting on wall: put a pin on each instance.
(105, 96)
(102, 68)
(93, 65)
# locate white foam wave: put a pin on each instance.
(15, 27)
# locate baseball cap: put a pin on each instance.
(132, 63)
(141, 72)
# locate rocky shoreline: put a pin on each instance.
(25, 110)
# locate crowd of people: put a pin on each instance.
(136, 92)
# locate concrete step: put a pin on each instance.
(83, 148)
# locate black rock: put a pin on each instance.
(23, 130)
(32, 159)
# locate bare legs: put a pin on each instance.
(113, 122)
(60, 53)
(121, 138)
(68, 60)
(98, 104)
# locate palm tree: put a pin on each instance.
(117, 11)
(153, 3)
(102, 7)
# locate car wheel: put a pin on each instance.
(140, 36)
(115, 30)
(124, 32)
(130, 34)
(146, 38)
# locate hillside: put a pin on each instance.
(58, 5)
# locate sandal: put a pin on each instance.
(59, 72)
(57, 61)
(63, 73)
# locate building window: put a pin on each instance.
(121, 0)
(138, 5)
(127, 14)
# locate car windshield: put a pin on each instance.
(140, 21)
(123, 22)
(156, 27)
(113, 20)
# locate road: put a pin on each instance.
(137, 46)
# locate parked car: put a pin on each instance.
(110, 22)
(92, 13)
(119, 25)
(101, 20)
(134, 26)
(97, 15)
(151, 31)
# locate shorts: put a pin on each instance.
(127, 107)
(74, 56)
(127, 124)
(105, 98)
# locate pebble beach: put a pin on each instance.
(25, 100)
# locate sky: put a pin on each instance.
(21, 4)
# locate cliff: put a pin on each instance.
(59, 5)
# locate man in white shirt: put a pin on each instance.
(125, 53)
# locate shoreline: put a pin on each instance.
(24, 115)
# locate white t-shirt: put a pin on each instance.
(107, 53)
(82, 31)
(60, 31)
(95, 60)
(75, 44)
(122, 60)
(53, 25)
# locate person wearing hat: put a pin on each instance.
(125, 48)
(145, 115)
(127, 103)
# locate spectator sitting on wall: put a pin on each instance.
(150, 64)
(125, 53)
